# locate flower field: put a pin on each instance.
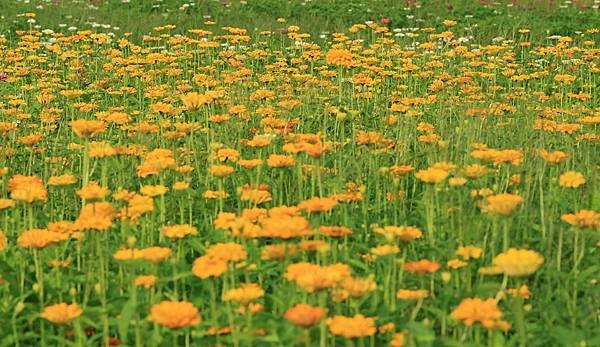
(223, 187)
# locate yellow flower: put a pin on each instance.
(432, 175)
(62, 180)
(92, 191)
(501, 204)
(518, 262)
(174, 314)
(304, 315)
(583, 219)
(280, 161)
(473, 310)
(384, 250)
(40, 238)
(409, 294)
(243, 295)
(209, 266)
(469, 252)
(27, 188)
(3, 242)
(351, 327)
(571, 179)
(317, 204)
(87, 128)
(342, 57)
(153, 190)
(194, 101)
(221, 170)
(61, 313)
(179, 231)
(145, 281)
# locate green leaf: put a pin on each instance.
(125, 318)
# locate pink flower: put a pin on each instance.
(385, 20)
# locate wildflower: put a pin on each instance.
(96, 216)
(571, 179)
(285, 227)
(3, 242)
(40, 238)
(357, 287)
(280, 251)
(313, 277)
(469, 252)
(334, 231)
(62, 180)
(409, 294)
(174, 314)
(522, 292)
(403, 233)
(456, 264)
(422, 266)
(178, 231)
(6, 203)
(243, 295)
(280, 161)
(518, 262)
(304, 315)
(155, 254)
(384, 250)
(487, 313)
(61, 313)
(229, 251)
(145, 281)
(87, 128)
(501, 204)
(341, 57)
(194, 101)
(583, 219)
(153, 190)
(317, 204)
(432, 175)
(92, 191)
(209, 266)
(27, 188)
(221, 170)
(351, 327)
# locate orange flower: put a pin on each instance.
(432, 175)
(501, 204)
(341, 57)
(62, 180)
(583, 219)
(87, 128)
(27, 188)
(209, 266)
(40, 238)
(174, 314)
(408, 294)
(334, 231)
(229, 251)
(280, 161)
(571, 179)
(422, 266)
(145, 281)
(92, 191)
(518, 262)
(243, 295)
(61, 313)
(304, 315)
(317, 204)
(285, 227)
(470, 311)
(351, 327)
(179, 231)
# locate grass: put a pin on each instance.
(192, 187)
